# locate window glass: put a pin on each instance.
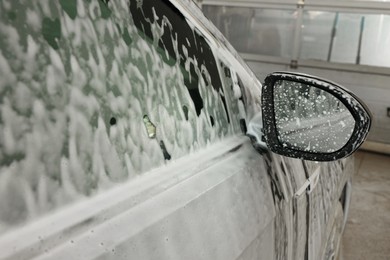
(316, 35)
(301, 110)
(346, 40)
(376, 40)
(335, 37)
(242, 101)
(92, 94)
(255, 30)
(235, 89)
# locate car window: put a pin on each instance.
(199, 105)
(93, 93)
(242, 102)
(234, 90)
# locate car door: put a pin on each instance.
(327, 205)
(292, 206)
(286, 175)
(132, 150)
(122, 140)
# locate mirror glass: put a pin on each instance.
(310, 119)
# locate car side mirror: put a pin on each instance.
(310, 118)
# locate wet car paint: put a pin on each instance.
(237, 205)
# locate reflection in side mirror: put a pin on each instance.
(309, 118)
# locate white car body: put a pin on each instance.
(219, 198)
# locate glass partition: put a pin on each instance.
(346, 38)
(316, 35)
(253, 30)
(339, 37)
(376, 41)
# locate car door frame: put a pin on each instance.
(324, 203)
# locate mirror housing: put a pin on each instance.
(280, 130)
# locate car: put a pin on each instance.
(132, 129)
